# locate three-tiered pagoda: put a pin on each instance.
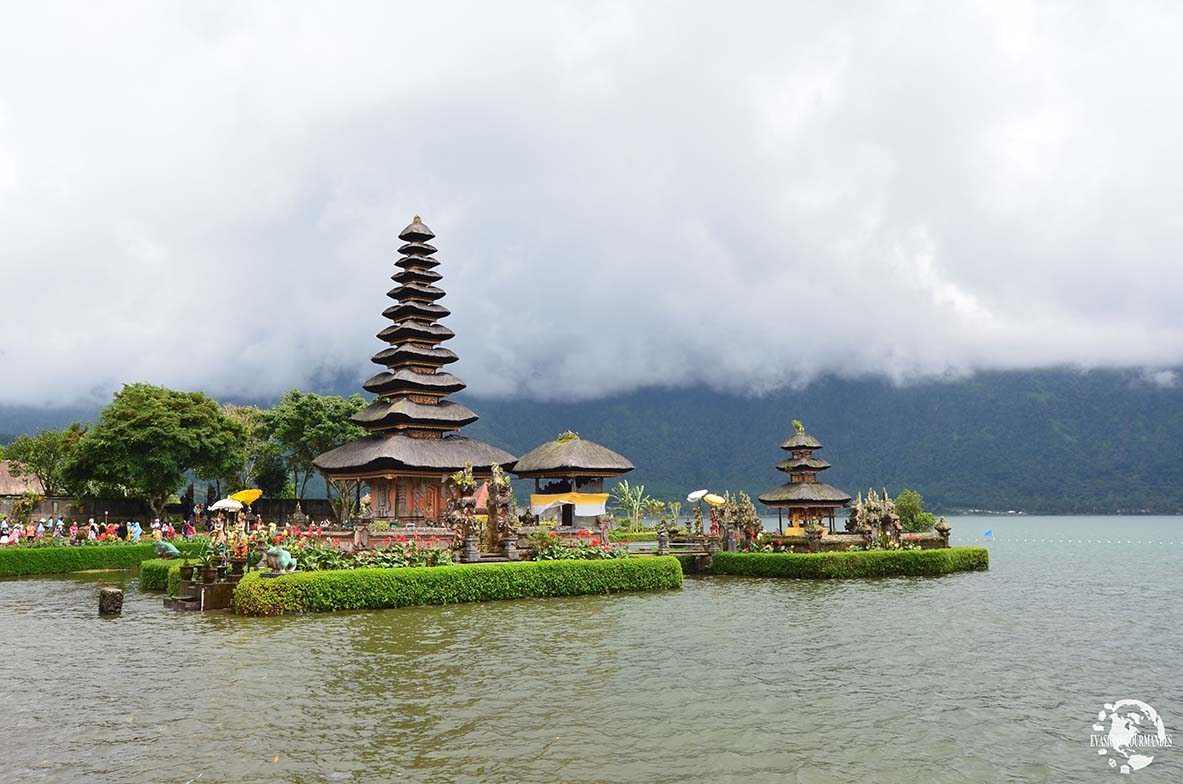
(414, 443)
(806, 499)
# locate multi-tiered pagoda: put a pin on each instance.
(805, 498)
(414, 442)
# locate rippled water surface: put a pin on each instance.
(967, 678)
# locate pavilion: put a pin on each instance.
(414, 443)
(805, 498)
(576, 469)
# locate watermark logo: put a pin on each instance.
(1133, 735)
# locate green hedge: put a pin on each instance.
(59, 559)
(154, 573)
(632, 536)
(159, 574)
(841, 565)
(360, 589)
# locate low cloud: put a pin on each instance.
(207, 196)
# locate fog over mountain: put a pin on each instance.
(745, 196)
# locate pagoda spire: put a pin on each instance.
(412, 390)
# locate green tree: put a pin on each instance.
(909, 505)
(253, 446)
(149, 436)
(45, 455)
(304, 424)
(631, 500)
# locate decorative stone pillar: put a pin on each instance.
(663, 541)
(813, 532)
(943, 530)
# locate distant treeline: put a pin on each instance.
(1049, 441)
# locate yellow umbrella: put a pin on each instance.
(714, 500)
(247, 497)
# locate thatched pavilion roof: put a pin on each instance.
(569, 454)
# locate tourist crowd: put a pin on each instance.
(62, 531)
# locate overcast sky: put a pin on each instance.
(206, 195)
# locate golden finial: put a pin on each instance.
(416, 219)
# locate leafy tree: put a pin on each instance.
(253, 446)
(909, 505)
(23, 506)
(149, 436)
(653, 509)
(45, 455)
(305, 424)
(631, 499)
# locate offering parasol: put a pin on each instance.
(228, 504)
(714, 500)
(247, 497)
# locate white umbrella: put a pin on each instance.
(696, 496)
(227, 503)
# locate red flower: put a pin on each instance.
(275, 540)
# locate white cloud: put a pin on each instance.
(206, 195)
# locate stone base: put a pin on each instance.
(110, 601)
(194, 595)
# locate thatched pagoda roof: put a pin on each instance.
(571, 454)
(803, 464)
(413, 329)
(801, 440)
(443, 415)
(805, 494)
(415, 292)
(416, 232)
(411, 353)
(416, 274)
(408, 381)
(402, 452)
(417, 310)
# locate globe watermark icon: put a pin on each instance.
(1131, 738)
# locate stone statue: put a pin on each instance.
(240, 545)
(166, 550)
(889, 521)
(943, 529)
(280, 560)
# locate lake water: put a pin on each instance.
(983, 677)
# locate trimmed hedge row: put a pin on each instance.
(64, 558)
(632, 536)
(858, 563)
(366, 589)
(154, 573)
(159, 574)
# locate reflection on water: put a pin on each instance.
(967, 678)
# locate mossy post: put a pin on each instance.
(110, 601)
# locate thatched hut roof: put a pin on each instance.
(569, 454)
(404, 453)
